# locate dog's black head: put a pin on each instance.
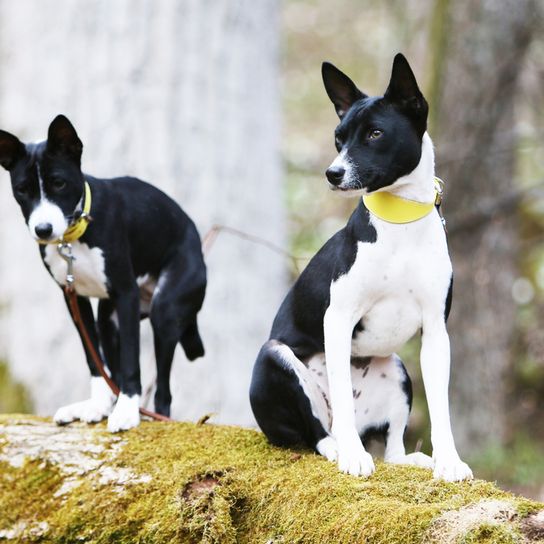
(379, 139)
(46, 178)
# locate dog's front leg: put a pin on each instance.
(126, 412)
(100, 403)
(435, 368)
(351, 455)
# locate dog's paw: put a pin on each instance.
(451, 469)
(353, 458)
(327, 448)
(89, 411)
(126, 414)
(92, 410)
(416, 459)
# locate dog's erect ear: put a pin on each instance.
(341, 90)
(11, 149)
(62, 138)
(403, 90)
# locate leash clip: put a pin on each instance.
(65, 251)
(439, 188)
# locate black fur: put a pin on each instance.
(299, 322)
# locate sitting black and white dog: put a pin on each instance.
(140, 255)
(329, 376)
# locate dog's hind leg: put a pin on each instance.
(177, 299)
(287, 406)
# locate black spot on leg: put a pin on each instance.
(358, 328)
(360, 362)
(374, 433)
(383, 375)
(365, 371)
(356, 394)
(320, 373)
(366, 411)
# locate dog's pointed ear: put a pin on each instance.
(341, 90)
(62, 138)
(403, 90)
(11, 149)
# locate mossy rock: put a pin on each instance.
(181, 482)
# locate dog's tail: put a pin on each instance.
(191, 342)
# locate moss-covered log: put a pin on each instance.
(179, 482)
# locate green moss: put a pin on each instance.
(216, 484)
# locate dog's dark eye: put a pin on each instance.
(374, 134)
(338, 143)
(58, 184)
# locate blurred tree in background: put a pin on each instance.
(479, 55)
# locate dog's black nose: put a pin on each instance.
(335, 174)
(44, 230)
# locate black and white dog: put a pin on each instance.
(140, 255)
(329, 376)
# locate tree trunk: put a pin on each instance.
(476, 139)
(183, 94)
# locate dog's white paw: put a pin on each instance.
(126, 414)
(451, 469)
(327, 448)
(416, 459)
(92, 410)
(353, 458)
(89, 411)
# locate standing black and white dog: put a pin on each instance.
(140, 255)
(329, 376)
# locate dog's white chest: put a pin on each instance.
(89, 269)
(392, 283)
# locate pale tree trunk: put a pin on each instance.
(180, 93)
(475, 136)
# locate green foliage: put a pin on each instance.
(519, 463)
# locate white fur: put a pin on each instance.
(92, 410)
(148, 287)
(126, 414)
(46, 212)
(397, 286)
(89, 269)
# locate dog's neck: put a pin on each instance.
(419, 184)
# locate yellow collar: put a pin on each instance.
(77, 228)
(395, 209)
